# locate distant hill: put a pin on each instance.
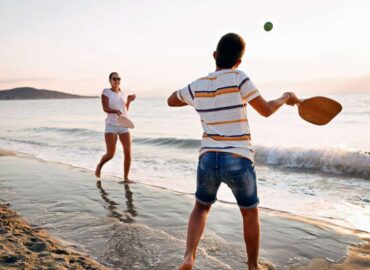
(33, 93)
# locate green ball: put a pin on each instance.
(268, 26)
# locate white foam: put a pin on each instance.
(333, 160)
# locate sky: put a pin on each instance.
(159, 46)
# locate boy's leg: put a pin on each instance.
(197, 222)
(207, 186)
(243, 183)
(251, 228)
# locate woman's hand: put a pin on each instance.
(118, 112)
(131, 98)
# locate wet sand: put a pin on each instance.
(142, 227)
(6, 153)
(26, 247)
(358, 258)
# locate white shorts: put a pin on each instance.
(109, 128)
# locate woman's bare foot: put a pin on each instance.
(187, 263)
(128, 181)
(97, 171)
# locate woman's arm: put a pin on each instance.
(105, 103)
(130, 99)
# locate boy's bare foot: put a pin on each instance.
(187, 263)
(259, 267)
(97, 172)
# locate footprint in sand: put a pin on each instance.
(36, 246)
(61, 252)
(10, 259)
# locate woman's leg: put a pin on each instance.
(110, 141)
(125, 139)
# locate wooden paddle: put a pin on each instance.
(125, 122)
(318, 110)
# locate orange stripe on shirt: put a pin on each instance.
(216, 93)
(249, 94)
(226, 138)
(226, 122)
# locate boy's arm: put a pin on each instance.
(182, 97)
(267, 108)
(174, 101)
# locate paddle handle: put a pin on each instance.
(297, 103)
(300, 101)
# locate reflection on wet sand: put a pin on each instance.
(126, 216)
(130, 201)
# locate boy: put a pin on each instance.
(226, 154)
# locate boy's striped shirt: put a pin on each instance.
(220, 100)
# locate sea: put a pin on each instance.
(318, 172)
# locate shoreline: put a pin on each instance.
(166, 223)
(266, 210)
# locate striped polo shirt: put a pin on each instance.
(220, 100)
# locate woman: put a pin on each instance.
(114, 105)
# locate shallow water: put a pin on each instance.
(142, 227)
(318, 172)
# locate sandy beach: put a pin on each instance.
(26, 247)
(211, 135)
(30, 247)
(143, 227)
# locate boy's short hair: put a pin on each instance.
(229, 50)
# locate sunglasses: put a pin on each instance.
(116, 79)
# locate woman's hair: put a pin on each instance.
(111, 75)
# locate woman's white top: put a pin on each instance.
(116, 102)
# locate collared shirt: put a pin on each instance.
(220, 99)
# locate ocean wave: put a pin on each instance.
(180, 143)
(328, 160)
(26, 141)
(75, 131)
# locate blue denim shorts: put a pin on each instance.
(237, 172)
(109, 128)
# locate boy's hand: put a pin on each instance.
(131, 98)
(292, 99)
